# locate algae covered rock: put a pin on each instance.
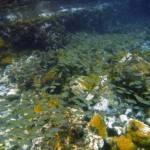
(139, 133)
(98, 123)
(136, 136)
(121, 143)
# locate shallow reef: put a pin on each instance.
(71, 99)
(71, 82)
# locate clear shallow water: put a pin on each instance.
(29, 119)
(21, 126)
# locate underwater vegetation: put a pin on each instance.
(74, 71)
(55, 108)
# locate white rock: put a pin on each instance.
(110, 121)
(119, 130)
(102, 105)
(123, 118)
(94, 141)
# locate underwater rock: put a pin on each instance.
(136, 135)
(98, 124)
(93, 141)
(102, 105)
(110, 121)
(121, 143)
(139, 133)
(123, 118)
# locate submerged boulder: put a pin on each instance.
(136, 136)
(139, 133)
(98, 123)
(121, 143)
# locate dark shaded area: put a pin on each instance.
(52, 32)
(140, 7)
